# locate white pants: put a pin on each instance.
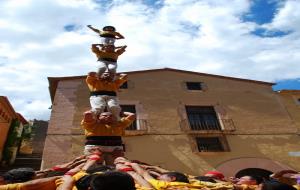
(100, 102)
(108, 41)
(109, 153)
(107, 66)
(88, 148)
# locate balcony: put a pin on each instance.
(138, 127)
(215, 126)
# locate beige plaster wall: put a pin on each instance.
(290, 101)
(175, 152)
(264, 128)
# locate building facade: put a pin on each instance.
(7, 114)
(11, 128)
(291, 100)
(186, 121)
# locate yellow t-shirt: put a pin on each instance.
(37, 184)
(161, 185)
(213, 186)
(96, 129)
(15, 186)
(96, 84)
(139, 187)
(107, 55)
(111, 33)
(75, 177)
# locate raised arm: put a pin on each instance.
(43, 183)
(94, 29)
(88, 122)
(118, 35)
(123, 76)
(130, 116)
(139, 170)
(66, 166)
(91, 78)
(121, 50)
(156, 168)
(121, 79)
(68, 180)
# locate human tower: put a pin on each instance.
(104, 123)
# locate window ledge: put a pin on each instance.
(210, 153)
(208, 131)
(135, 132)
(195, 90)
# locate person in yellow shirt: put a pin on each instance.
(247, 182)
(167, 180)
(177, 180)
(141, 183)
(107, 56)
(111, 180)
(103, 93)
(105, 135)
(36, 184)
(70, 178)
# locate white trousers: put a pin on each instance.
(108, 41)
(107, 66)
(100, 102)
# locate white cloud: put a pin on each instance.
(288, 17)
(199, 35)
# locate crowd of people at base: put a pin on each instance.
(104, 127)
(88, 173)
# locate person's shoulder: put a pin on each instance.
(157, 184)
(139, 187)
(79, 175)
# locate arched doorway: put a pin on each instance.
(254, 172)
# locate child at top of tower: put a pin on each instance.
(108, 33)
(103, 93)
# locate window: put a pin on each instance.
(202, 118)
(130, 108)
(209, 144)
(194, 85)
(124, 85)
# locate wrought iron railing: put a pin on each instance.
(138, 125)
(223, 125)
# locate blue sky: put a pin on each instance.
(292, 84)
(262, 11)
(257, 39)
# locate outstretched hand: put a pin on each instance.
(72, 164)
